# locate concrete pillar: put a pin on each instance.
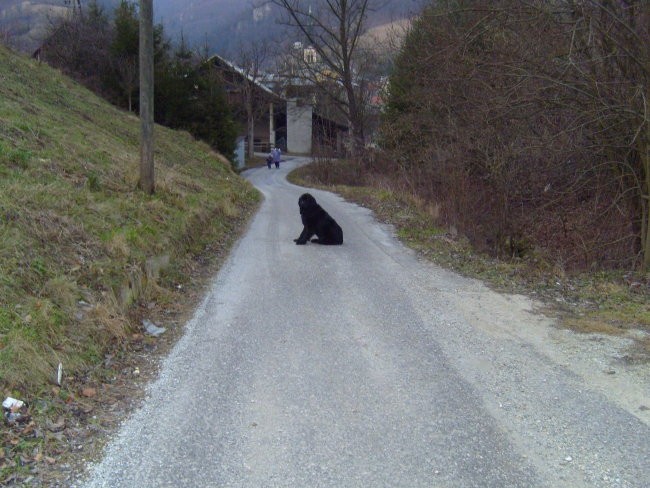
(299, 127)
(271, 125)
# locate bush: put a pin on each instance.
(523, 123)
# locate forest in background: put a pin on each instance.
(525, 127)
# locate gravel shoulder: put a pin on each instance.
(601, 361)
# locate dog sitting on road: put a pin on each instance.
(318, 222)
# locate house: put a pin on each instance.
(289, 121)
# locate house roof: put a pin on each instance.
(243, 74)
(318, 111)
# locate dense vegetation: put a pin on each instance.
(101, 52)
(525, 126)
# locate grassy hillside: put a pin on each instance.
(80, 248)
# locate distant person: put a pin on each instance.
(269, 159)
(276, 156)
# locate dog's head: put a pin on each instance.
(305, 202)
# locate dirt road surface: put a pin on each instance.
(362, 365)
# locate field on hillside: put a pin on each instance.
(80, 247)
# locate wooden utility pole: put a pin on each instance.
(146, 97)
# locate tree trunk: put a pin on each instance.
(251, 135)
(355, 120)
(645, 204)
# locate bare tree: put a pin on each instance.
(606, 69)
(333, 28)
(127, 72)
(79, 45)
(251, 60)
(527, 122)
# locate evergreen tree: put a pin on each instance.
(190, 96)
(103, 55)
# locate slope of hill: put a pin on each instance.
(81, 249)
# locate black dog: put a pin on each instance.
(317, 221)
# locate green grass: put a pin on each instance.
(74, 227)
(75, 239)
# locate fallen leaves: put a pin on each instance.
(56, 426)
(89, 392)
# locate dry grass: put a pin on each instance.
(84, 256)
(76, 234)
(591, 302)
(587, 325)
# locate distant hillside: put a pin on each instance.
(25, 23)
(222, 25)
(386, 37)
(225, 24)
(81, 249)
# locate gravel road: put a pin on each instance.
(363, 366)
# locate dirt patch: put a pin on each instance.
(604, 362)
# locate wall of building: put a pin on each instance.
(299, 127)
